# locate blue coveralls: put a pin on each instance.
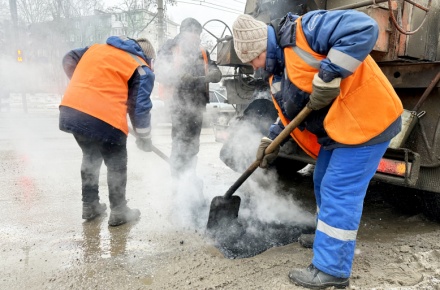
(342, 172)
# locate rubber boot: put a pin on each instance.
(93, 209)
(122, 214)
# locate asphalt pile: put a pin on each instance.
(247, 238)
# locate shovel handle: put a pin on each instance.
(160, 153)
(153, 148)
(274, 144)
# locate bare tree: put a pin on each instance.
(4, 10)
(36, 11)
(33, 11)
(136, 15)
(74, 8)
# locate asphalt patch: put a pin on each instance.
(243, 239)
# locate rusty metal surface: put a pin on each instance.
(392, 44)
(423, 44)
(382, 18)
(425, 137)
(410, 75)
(351, 4)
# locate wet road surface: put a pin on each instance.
(44, 243)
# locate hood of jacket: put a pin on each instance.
(274, 54)
(128, 45)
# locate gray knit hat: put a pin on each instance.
(147, 47)
(250, 37)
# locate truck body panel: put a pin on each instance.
(407, 51)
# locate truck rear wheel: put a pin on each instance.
(406, 200)
(287, 167)
(431, 205)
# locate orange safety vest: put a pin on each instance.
(166, 91)
(99, 86)
(305, 139)
(366, 106)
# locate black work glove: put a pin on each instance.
(144, 143)
(266, 159)
(323, 93)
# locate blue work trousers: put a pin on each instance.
(341, 179)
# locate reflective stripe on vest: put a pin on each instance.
(367, 104)
(306, 140)
(139, 69)
(99, 84)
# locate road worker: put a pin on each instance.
(107, 81)
(321, 60)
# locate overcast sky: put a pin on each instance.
(225, 10)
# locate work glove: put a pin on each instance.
(323, 93)
(144, 143)
(266, 159)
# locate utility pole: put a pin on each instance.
(13, 10)
(14, 20)
(160, 23)
(15, 38)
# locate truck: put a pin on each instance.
(408, 53)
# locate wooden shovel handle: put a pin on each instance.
(275, 143)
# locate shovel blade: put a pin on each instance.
(223, 211)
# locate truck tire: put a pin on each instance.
(405, 200)
(287, 167)
(431, 205)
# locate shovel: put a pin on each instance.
(224, 209)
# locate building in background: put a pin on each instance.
(33, 53)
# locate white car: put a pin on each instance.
(218, 110)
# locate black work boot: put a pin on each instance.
(312, 277)
(306, 240)
(93, 209)
(122, 214)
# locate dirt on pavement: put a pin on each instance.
(44, 244)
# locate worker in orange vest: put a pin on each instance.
(321, 60)
(107, 81)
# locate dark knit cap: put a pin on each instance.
(191, 25)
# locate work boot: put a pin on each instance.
(93, 209)
(306, 240)
(122, 214)
(312, 277)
